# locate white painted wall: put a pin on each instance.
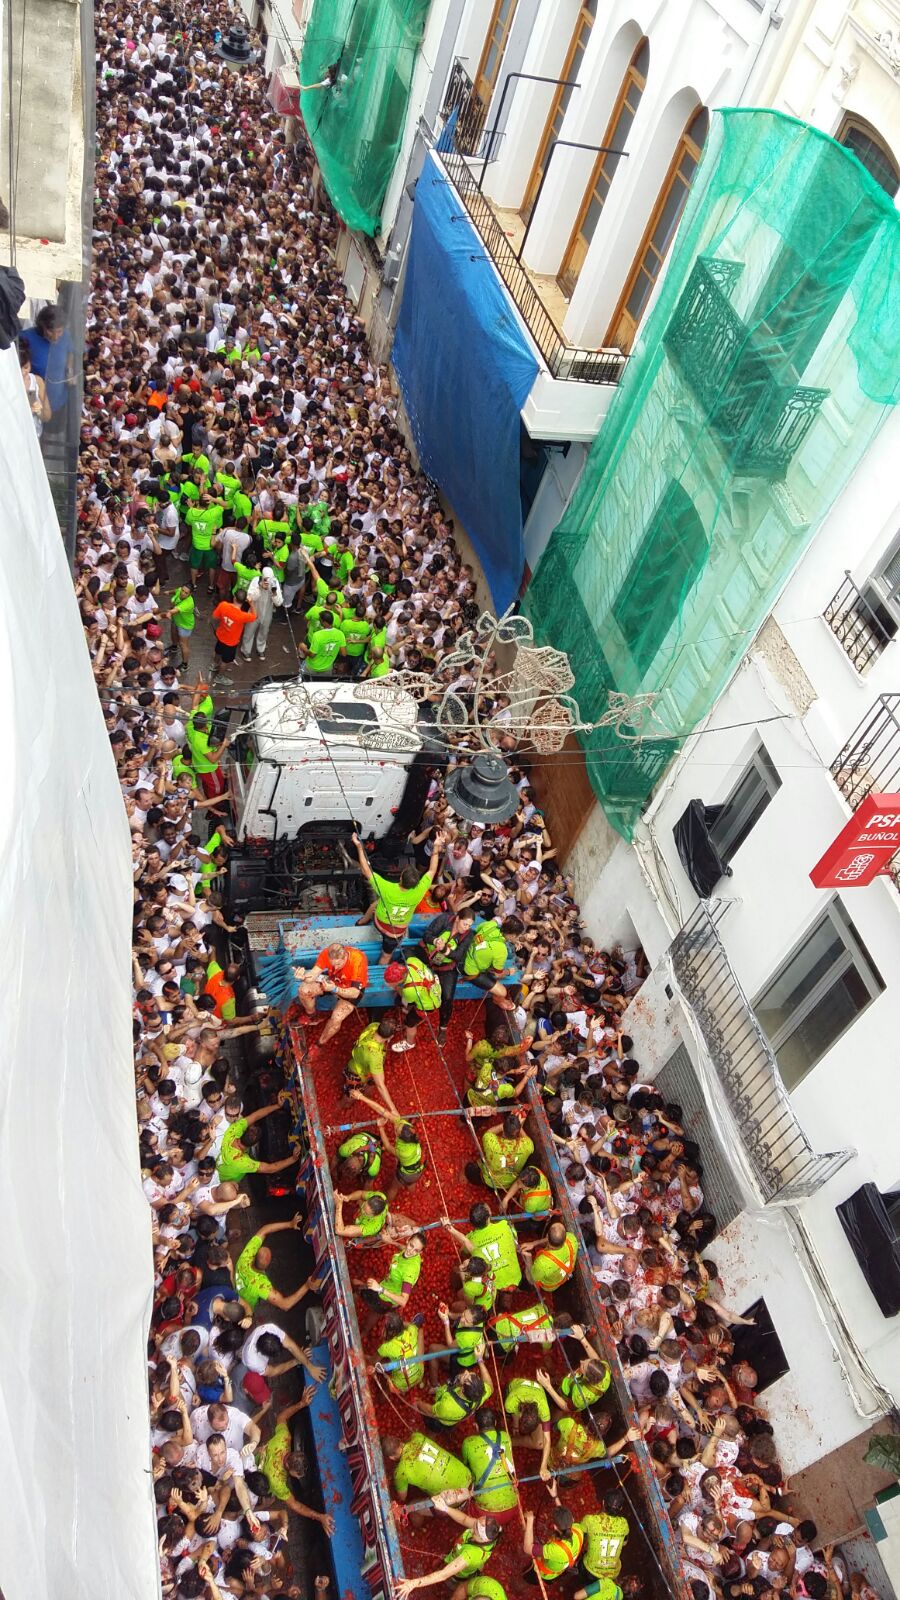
(828, 64)
(699, 54)
(421, 83)
(851, 1099)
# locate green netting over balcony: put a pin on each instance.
(369, 48)
(765, 368)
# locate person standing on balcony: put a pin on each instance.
(35, 389)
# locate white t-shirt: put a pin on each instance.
(234, 1432)
(251, 1356)
(200, 1458)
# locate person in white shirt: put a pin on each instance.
(239, 1432)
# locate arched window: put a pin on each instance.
(560, 102)
(660, 232)
(494, 46)
(668, 562)
(617, 131)
(870, 149)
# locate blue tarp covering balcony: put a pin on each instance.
(465, 368)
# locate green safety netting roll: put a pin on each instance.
(764, 371)
(369, 48)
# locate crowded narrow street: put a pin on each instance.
(439, 1292)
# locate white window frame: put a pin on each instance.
(760, 763)
(855, 957)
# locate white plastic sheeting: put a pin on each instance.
(76, 1513)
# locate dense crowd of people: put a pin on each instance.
(240, 454)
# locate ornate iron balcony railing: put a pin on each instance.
(784, 1164)
(563, 360)
(857, 625)
(871, 760)
(871, 757)
(460, 96)
(759, 419)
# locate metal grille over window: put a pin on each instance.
(784, 1165)
(862, 631)
(678, 1083)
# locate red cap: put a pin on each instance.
(394, 972)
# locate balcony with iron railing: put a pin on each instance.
(760, 420)
(784, 1165)
(471, 112)
(856, 625)
(537, 299)
(870, 760)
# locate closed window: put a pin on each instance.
(494, 46)
(733, 820)
(614, 142)
(660, 232)
(819, 991)
(882, 598)
(571, 74)
(667, 564)
(871, 151)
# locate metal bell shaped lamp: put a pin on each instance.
(482, 791)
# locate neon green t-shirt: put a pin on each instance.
(449, 1405)
(402, 1274)
(581, 1393)
(425, 1466)
(488, 1455)
(271, 532)
(325, 645)
(475, 1555)
(203, 522)
(271, 1459)
(533, 1324)
(487, 1088)
(574, 1444)
(527, 1391)
(251, 1283)
(487, 950)
(551, 1265)
(395, 906)
(233, 1165)
(367, 1055)
(504, 1158)
(480, 1291)
(403, 1348)
(183, 609)
(356, 632)
(229, 484)
(410, 1157)
(362, 1143)
(199, 746)
(482, 1587)
(604, 1540)
(559, 1554)
(369, 1225)
(243, 577)
(496, 1244)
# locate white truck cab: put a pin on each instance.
(330, 753)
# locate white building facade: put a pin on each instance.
(770, 1002)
